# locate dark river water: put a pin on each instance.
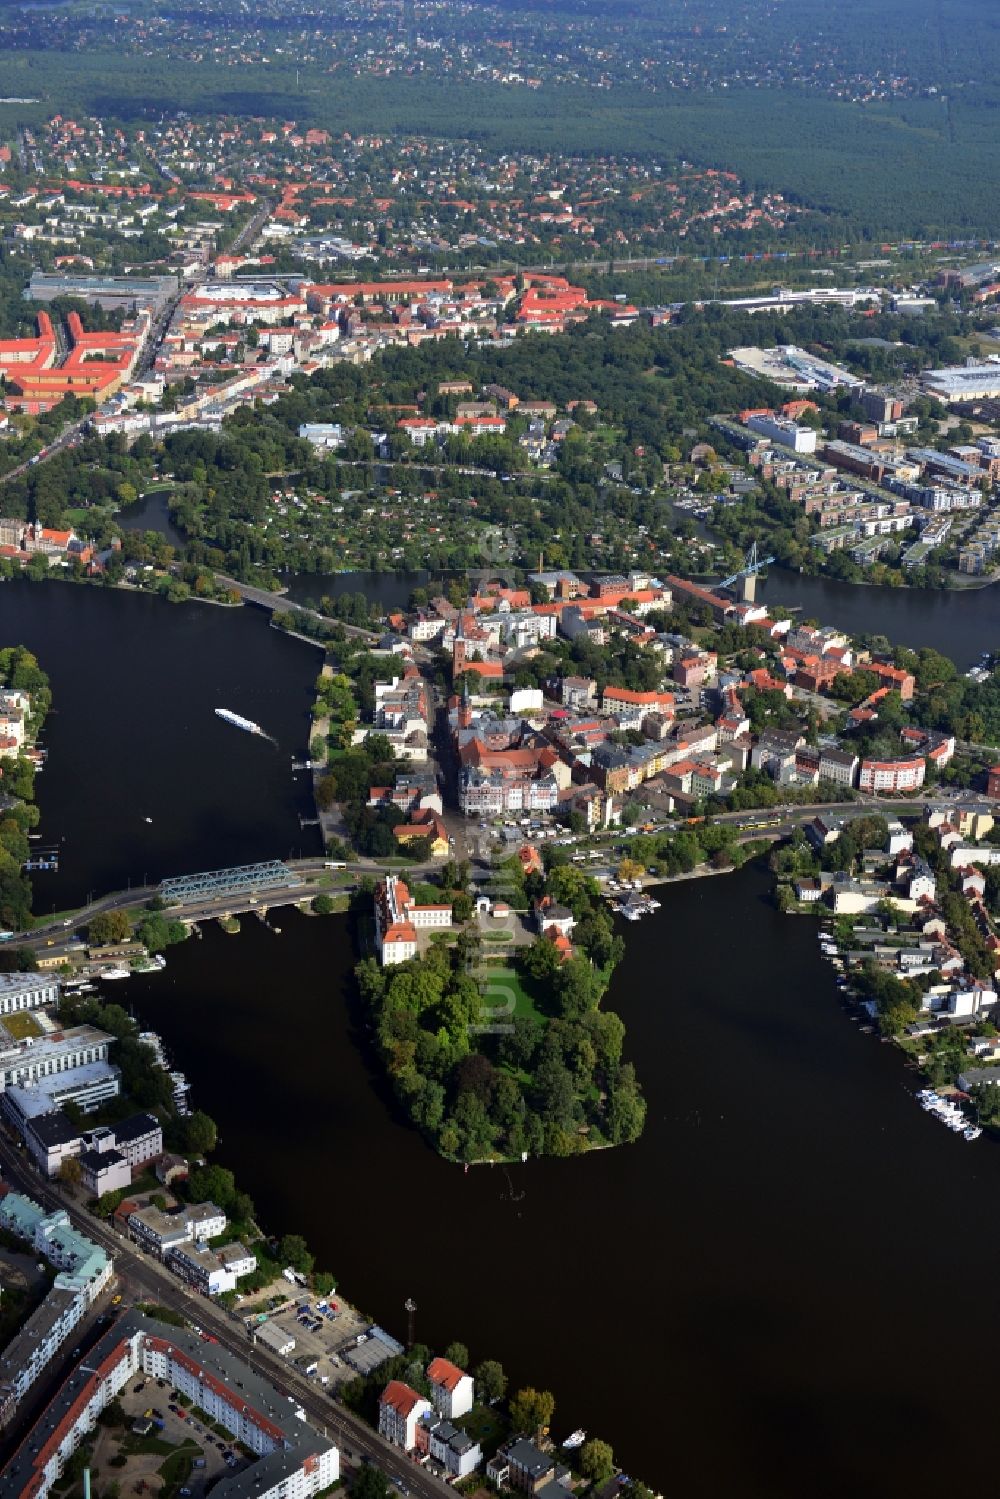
(133, 735)
(150, 513)
(961, 623)
(783, 1289)
(388, 590)
(750, 1301)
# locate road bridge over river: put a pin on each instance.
(280, 603)
(260, 895)
(210, 897)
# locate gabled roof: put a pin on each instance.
(443, 1372)
(399, 1395)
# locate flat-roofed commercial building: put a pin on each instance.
(108, 292)
(969, 382)
(26, 991)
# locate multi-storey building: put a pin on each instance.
(452, 1390)
(67, 1066)
(83, 1272)
(399, 1411)
(51, 1138)
(448, 1445)
(398, 917)
(630, 707)
(201, 1268)
(488, 793)
(26, 991)
(160, 1232)
(906, 774)
(293, 1461)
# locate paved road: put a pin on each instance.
(145, 1279)
(208, 910)
(250, 230)
(281, 603)
(467, 846)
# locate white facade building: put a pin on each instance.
(786, 433)
(160, 1232)
(398, 917)
(293, 1461)
(452, 1390)
(892, 775)
(84, 1271)
(399, 1411)
(201, 1268)
(68, 1066)
(26, 991)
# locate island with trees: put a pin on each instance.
(550, 1078)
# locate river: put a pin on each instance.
(960, 623)
(756, 1299)
(151, 513)
(783, 1288)
(132, 736)
(387, 590)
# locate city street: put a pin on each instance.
(144, 1279)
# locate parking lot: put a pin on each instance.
(323, 1329)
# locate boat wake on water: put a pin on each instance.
(246, 724)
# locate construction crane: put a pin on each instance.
(753, 563)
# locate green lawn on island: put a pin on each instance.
(508, 979)
(79, 515)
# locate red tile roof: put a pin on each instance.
(400, 1397)
(441, 1371)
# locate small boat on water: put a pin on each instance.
(239, 722)
(575, 1439)
(155, 964)
(114, 973)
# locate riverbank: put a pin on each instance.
(25, 703)
(704, 1194)
(283, 1257)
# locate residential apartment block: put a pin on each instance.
(399, 1411)
(160, 1232)
(452, 1390)
(906, 774)
(83, 1272)
(291, 1459)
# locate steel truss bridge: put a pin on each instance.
(242, 879)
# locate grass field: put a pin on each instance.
(509, 980)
